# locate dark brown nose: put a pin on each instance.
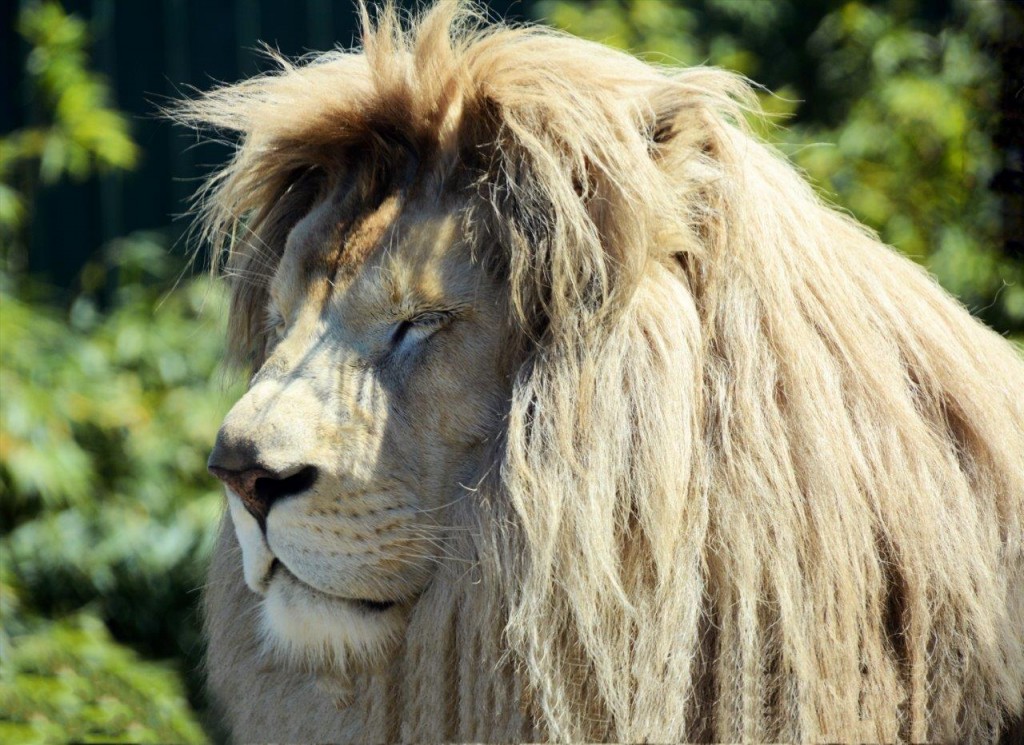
(257, 486)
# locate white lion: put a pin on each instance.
(576, 415)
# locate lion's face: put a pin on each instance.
(373, 405)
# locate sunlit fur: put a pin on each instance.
(759, 478)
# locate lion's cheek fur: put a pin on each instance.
(306, 631)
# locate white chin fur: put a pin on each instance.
(323, 633)
(256, 556)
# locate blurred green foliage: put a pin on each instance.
(109, 406)
(68, 681)
(107, 510)
(111, 401)
(890, 108)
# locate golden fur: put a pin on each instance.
(756, 477)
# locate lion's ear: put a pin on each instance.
(695, 109)
(679, 127)
(664, 126)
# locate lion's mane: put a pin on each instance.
(759, 478)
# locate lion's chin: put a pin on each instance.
(321, 633)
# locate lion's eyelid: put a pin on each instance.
(424, 322)
(429, 318)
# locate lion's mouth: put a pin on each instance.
(376, 606)
(371, 606)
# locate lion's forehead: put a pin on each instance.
(391, 255)
(331, 242)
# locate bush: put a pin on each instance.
(108, 512)
(68, 680)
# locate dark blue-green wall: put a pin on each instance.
(150, 51)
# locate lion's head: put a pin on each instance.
(575, 414)
(379, 386)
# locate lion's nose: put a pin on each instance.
(257, 486)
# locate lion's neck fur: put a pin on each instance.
(760, 478)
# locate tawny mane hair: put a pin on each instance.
(759, 477)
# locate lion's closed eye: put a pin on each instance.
(411, 331)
